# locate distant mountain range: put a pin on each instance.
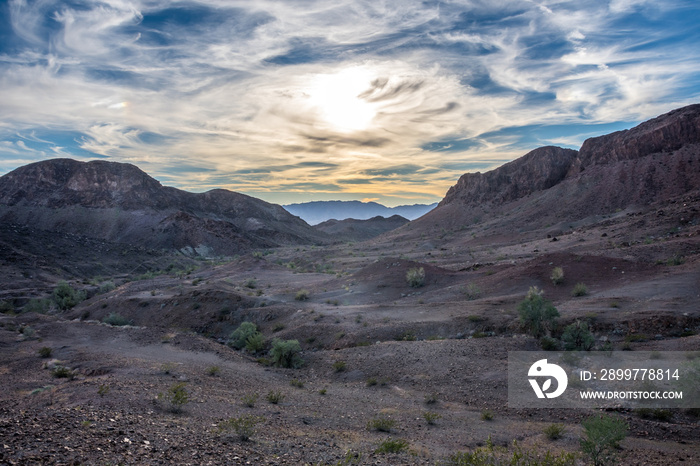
(319, 211)
(360, 230)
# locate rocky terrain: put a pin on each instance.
(351, 229)
(626, 226)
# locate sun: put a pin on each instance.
(337, 99)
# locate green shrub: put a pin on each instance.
(371, 382)
(657, 414)
(255, 343)
(6, 307)
(557, 276)
(296, 383)
(45, 352)
(549, 343)
(339, 366)
(63, 372)
(116, 320)
(602, 437)
(249, 399)
(490, 455)
(106, 287)
(431, 398)
(381, 424)
(176, 397)
(238, 337)
(580, 289)
(392, 446)
(285, 353)
(471, 291)
(243, 426)
(486, 415)
(38, 305)
(275, 397)
(251, 283)
(577, 337)
(431, 417)
(103, 389)
(554, 431)
(213, 370)
(302, 295)
(415, 277)
(66, 297)
(537, 314)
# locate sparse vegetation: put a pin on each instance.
(116, 320)
(63, 372)
(486, 415)
(431, 417)
(249, 399)
(431, 398)
(102, 390)
(45, 352)
(554, 431)
(490, 455)
(549, 343)
(557, 276)
(296, 383)
(381, 424)
(275, 397)
(285, 353)
(66, 297)
(580, 289)
(415, 277)
(602, 437)
(471, 291)
(537, 314)
(302, 295)
(339, 366)
(255, 343)
(239, 337)
(213, 370)
(657, 414)
(578, 337)
(244, 426)
(392, 446)
(176, 397)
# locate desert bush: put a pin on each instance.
(580, 289)
(549, 343)
(63, 372)
(557, 276)
(489, 455)
(106, 287)
(381, 424)
(471, 291)
(213, 370)
(431, 417)
(554, 431)
(392, 446)
(176, 397)
(275, 397)
(255, 343)
(657, 414)
(431, 398)
(249, 399)
(38, 305)
(102, 390)
(243, 426)
(116, 320)
(537, 314)
(296, 383)
(45, 352)
(66, 297)
(238, 337)
(285, 353)
(577, 336)
(6, 307)
(339, 366)
(371, 382)
(602, 437)
(251, 283)
(486, 415)
(415, 277)
(27, 332)
(302, 295)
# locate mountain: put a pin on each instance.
(654, 162)
(319, 211)
(360, 230)
(118, 202)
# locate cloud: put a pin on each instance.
(346, 97)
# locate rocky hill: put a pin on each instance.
(118, 202)
(360, 230)
(652, 163)
(316, 212)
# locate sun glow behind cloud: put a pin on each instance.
(351, 100)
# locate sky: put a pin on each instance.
(300, 100)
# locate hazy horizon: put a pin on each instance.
(389, 102)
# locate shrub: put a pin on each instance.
(431, 417)
(549, 343)
(285, 353)
(371, 382)
(116, 320)
(580, 289)
(296, 383)
(537, 314)
(302, 295)
(238, 337)
(28, 332)
(66, 297)
(38, 305)
(486, 415)
(255, 343)
(106, 287)
(45, 352)
(557, 276)
(213, 370)
(339, 366)
(243, 426)
(577, 337)
(323, 391)
(489, 455)
(381, 424)
(6, 308)
(554, 431)
(176, 397)
(602, 436)
(251, 283)
(471, 291)
(664, 415)
(249, 399)
(415, 277)
(63, 372)
(103, 389)
(275, 397)
(392, 446)
(431, 398)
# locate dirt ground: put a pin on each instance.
(373, 347)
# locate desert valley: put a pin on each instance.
(121, 336)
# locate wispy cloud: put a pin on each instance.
(354, 98)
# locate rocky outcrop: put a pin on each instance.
(536, 171)
(119, 202)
